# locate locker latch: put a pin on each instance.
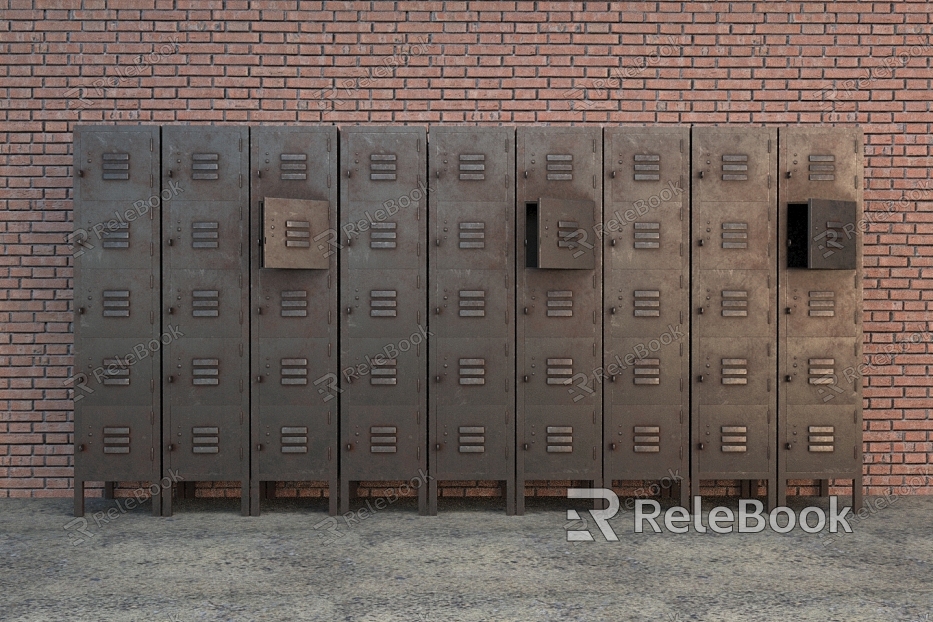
(439, 446)
(788, 445)
(701, 446)
(612, 446)
(788, 378)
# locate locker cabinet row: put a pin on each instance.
(294, 303)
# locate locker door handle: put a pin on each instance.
(701, 310)
(788, 378)
(700, 242)
(526, 310)
(81, 447)
(349, 446)
(701, 446)
(612, 446)
(437, 242)
(81, 310)
(439, 446)
(612, 242)
(169, 241)
(788, 445)
(169, 172)
(349, 310)
(171, 447)
(171, 379)
(80, 173)
(259, 378)
(612, 378)
(612, 310)
(525, 378)
(258, 446)
(700, 378)
(787, 310)
(789, 176)
(613, 174)
(258, 310)
(437, 378)
(348, 173)
(701, 174)
(525, 446)
(437, 310)
(171, 310)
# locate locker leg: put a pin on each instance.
(344, 496)
(333, 496)
(510, 496)
(108, 490)
(167, 494)
(684, 494)
(255, 498)
(824, 487)
(773, 492)
(157, 501)
(600, 504)
(746, 489)
(519, 496)
(191, 490)
(244, 497)
(432, 497)
(666, 491)
(79, 497)
(694, 492)
(423, 499)
(857, 493)
(781, 492)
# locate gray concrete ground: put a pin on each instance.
(469, 563)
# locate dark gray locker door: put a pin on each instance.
(820, 163)
(655, 375)
(559, 163)
(734, 441)
(383, 303)
(560, 303)
(115, 303)
(478, 236)
(562, 442)
(817, 442)
(114, 165)
(383, 443)
(645, 441)
(732, 165)
(646, 304)
(821, 304)
(206, 303)
(733, 302)
(472, 303)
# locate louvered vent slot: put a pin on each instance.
(204, 234)
(822, 371)
(734, 167)
(205, 303)
(734, 439)
(293, 166)
(384, 371)
(472, 235)
(734, 303)
(822, 438)
(559, 371)
(383, 303)
(647, 234)
(568, 234)
(647, 371)
(472, 371)
(383, 439)
(115, 166)
(205, 440)
(472, 167)
(735, 371)
(294, 371)
(116, 440)
(472, 439)
(822, 168)
(559, 167)
(116, 373)
(295, 303)
(382, 235)
(560, 439)
(294, 440)
(647, 167)
(647, 302)
(472, 303)
(116, 303)
(830, 244)
(382, 167)
(205, 372)
(735, 235)
(297, 234)
(822, 304)
(647, 439)
(560, 303)
(117, 236)
(204, 166)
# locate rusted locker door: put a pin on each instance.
(734, 364)
(205, 242)
(559, 424)
(383, 305)
(117, 204)
(294, 307)
(820, 403)
(645, 234)
(472, 304)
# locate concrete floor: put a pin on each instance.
(469, 563)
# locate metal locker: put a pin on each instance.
(645, 235)
(820, 327)
(383, 296)
(293, 309)
(733, 358)
(205, 288)
(559, 424)
(116, 304)
(472, 301)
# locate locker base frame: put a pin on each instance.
(186, 490)
(261, 490)
(509, 494)
(857, 487)
(770, 482)
(108, 494)
(520, 493)
(345, 496)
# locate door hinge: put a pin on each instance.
(418, 452)
(241, 453)
(594, 181)
(150, 144)
(150, 281)
(241, 385)
(418, 145)
(329, 316)
(681, 145)
(418, 417)
(769, 145)
(328, 180)
(594, 145)
(239, 281)
(151, 454)
(151, 413)
(241, 349)
(594, 317)
(151, 318)
(681, 415)
(328, 280)
(769, 180)
(418, 249)
(329, 414)
(328, 144)
(241, 180)
(329, 454)
(151, 385)
(150, 180)
(151, 249)
(240, 147)
(681, 454)
(241, 417)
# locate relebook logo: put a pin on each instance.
(751, 517)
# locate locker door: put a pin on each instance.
(293, 307)
(205, 293)
(644, 235)
(117, 207)
(733, 350)
(383, 304)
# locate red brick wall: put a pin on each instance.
(780, 63)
